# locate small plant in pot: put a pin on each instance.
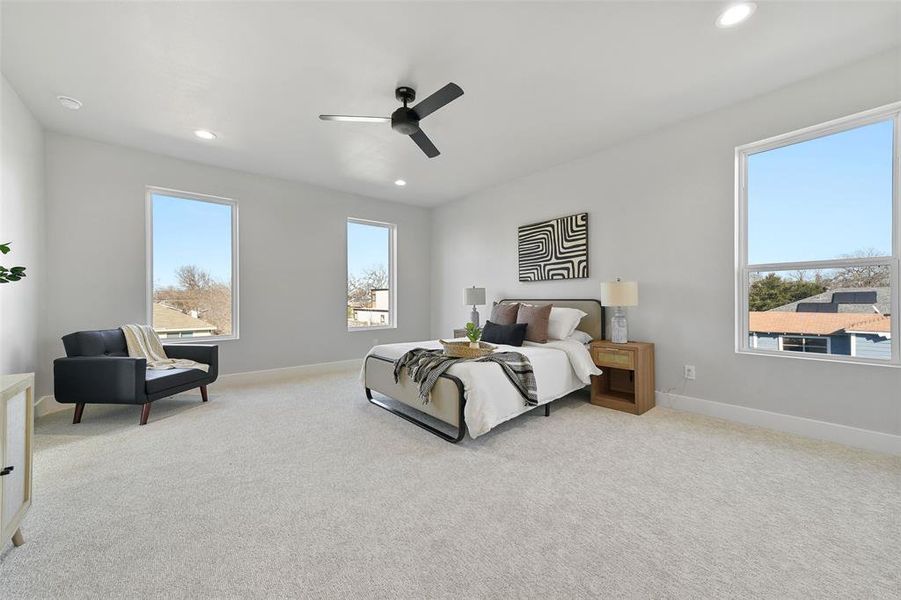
(474, 333)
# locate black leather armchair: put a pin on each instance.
(97, 369)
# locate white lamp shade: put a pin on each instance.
(474, 296)
(619, 293)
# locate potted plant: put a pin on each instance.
(474, 333)
(13, 274)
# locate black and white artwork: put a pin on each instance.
(555, 249)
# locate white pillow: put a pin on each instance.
(563, 321)
(581, 337)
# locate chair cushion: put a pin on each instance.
(103, 342)
(158, 380)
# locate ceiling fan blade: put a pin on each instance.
(355, 119)
(445, 95)
(425, 144)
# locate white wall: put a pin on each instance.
(292, 254)
(21, 222)
(661, 212)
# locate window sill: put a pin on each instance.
(373, 328)
(833, 358)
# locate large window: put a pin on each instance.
(818, 241)
(192, 266)
(370, 275)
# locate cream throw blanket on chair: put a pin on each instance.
(143, 342)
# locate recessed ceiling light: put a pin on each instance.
(735, 14)
(204, 134)
(69, 102)
(400, 182)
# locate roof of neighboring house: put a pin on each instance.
(166, 318)
(875, 324)
(883, 301)
(817, 323)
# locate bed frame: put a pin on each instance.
(447, 398)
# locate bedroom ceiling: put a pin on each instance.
(544, 82)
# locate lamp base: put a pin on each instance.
(619, 326)
(474, 316)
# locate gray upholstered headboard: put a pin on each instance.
(593, 324)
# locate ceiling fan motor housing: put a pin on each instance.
(405, 121)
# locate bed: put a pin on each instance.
(477, 396)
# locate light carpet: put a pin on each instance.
(305, 490)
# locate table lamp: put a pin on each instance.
(474, 296)
(619, 294)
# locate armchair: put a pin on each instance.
(97, 369)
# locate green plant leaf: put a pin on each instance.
(4, 248)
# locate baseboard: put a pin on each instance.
(47, 404)
(821, 430)
(288, 373)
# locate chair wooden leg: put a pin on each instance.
(79, 410)
(18, 538)
(547, 409)
(145, 412)
(203, 393)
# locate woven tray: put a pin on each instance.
(462, 349)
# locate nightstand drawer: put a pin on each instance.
(613, 357)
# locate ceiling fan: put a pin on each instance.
(406, 120)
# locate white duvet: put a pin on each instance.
(561, 367)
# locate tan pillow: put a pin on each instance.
(537, 318)
(504, 314)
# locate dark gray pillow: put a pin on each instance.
(509, 335)
(537, 318)
(504, 314)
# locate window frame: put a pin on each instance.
(743, 270)
(148, 294)
(392, 272)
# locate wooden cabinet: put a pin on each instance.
(628, 380)
(16, 433)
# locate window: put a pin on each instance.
(192, 266)
(817, 345)
(371, 290)
(817, 241)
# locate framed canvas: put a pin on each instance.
(555, 249)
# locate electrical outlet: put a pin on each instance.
(688, 372)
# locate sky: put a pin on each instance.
(367, 246)
(823, 198)
(189, 232)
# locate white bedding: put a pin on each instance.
(561, 367)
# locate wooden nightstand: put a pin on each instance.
(628, 380)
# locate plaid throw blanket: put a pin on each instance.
(426, 366)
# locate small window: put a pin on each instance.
(192, 266)
(371, 293)
(817, 345)
(817, 252)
